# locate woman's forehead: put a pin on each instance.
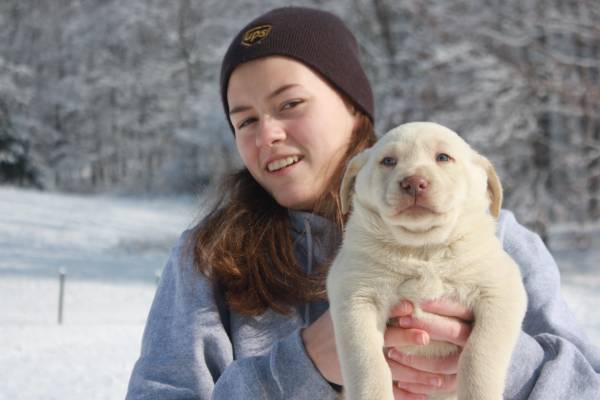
(266, 76)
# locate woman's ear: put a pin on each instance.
(347, 187)
(494, 187)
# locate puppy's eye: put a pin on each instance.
(443, 157)
(388, 161)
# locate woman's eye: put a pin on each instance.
(388, 161)
(290, 104)
(246, 122)
(443, 157)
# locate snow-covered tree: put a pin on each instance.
(16, 163)
(124, 95)
(518, 79)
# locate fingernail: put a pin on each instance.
(395, 354)
(405, 306)
(421, 338)
(404, 321)
(392, 353)
(435, 382)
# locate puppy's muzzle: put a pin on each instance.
(414, 185)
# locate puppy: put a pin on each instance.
(422, 227)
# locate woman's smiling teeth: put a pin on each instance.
(282, 163)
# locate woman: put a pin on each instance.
(243, 315)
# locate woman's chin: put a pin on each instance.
(294, 201)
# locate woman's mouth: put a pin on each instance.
(282, 163)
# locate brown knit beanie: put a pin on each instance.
(317, 38)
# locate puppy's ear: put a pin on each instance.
(494, 187)
(346, 189)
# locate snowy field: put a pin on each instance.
(111, 249)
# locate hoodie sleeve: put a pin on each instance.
(553, 358)
(187, 352)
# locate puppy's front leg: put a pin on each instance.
(484, 363)
(359, 325)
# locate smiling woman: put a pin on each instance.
(241, 311)
(291, 128)
(294, 133)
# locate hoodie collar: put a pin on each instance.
(318, 235)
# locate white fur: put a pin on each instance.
(448, 248)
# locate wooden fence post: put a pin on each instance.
(61, 293)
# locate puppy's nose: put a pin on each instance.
(414, 185)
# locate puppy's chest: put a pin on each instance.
(429, 279)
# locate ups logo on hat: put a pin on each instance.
(256, 34)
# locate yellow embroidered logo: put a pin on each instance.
(255, 34)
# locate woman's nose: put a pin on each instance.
(270, 131)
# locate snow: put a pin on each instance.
(112, 248)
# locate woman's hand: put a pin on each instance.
(415, 376)
(418, 376)
(319, 342)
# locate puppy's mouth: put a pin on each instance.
(416, 207)
(416, 210)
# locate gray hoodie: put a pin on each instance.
(194, 347)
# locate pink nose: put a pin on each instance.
(414, 185)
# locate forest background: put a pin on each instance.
(122, 97)
(110, 120)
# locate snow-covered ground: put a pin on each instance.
(112, 249)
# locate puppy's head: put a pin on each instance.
(417, 180)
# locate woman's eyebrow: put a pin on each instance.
(275, 93)
(282, 89)
(239, 109)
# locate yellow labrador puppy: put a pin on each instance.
(422, 227)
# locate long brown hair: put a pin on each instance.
(244, 244)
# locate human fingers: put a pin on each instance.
(447, 307)
(450, 330)
(401, 394)
(449, 383)
(414, 381)
(402, 373)
(440, 365)
(399, 337)
(401, 309)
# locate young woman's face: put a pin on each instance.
(291, 128)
